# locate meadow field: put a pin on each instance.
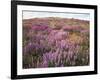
(55, 42)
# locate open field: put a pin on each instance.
(55, 42)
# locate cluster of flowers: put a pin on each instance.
(48, 47)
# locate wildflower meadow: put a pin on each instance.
(55, 42)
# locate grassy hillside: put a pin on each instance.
(55, 42)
